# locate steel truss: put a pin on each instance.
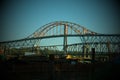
(103, 43)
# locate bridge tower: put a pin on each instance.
(65, 38)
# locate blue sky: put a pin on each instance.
(20, 18)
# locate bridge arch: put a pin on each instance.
(67, 28)
(78, 29)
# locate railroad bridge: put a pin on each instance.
(104, 44)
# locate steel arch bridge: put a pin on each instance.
(103, 43)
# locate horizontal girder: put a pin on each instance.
(75, 35)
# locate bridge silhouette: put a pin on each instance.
(102, 43)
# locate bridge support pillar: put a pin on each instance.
(65, 38)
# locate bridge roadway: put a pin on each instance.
(69, 35)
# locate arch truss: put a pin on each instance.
(103, 43)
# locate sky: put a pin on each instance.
(20, 18)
